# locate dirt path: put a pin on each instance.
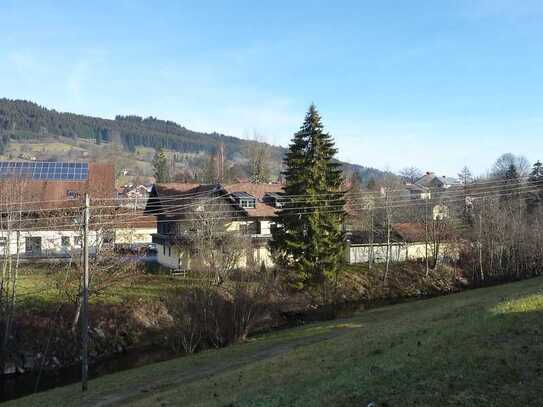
(138, 391)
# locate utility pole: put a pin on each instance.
(426, 234)
(481, 272)
(85, 307)
(370, 257)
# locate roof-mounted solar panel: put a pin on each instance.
(45, 171)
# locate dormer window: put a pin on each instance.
(247, 203)
(244, 200)
(274, 199)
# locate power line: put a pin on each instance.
(352, 204)
(304, 210)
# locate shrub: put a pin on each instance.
(215, 316)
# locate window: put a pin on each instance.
(108, 237)
(78, 241)
(65, 241)
(244, 200)
(164, 250)
(3, 241)
(72, 194)
(33, 245)
(169, 251)
(247, 203)
(244, 228)
(163, 228)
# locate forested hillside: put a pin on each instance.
(27, 121)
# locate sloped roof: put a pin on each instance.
(427, 179)
(415, 187)
(400, 232)
(168, 198)
(183, 194)
(430, 179)
(136, 220)
(262, 209)
(258, 190)
(45, 194)
(410, 232)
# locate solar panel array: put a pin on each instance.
(38, 170)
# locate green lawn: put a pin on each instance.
(481, 347)
(36, 288)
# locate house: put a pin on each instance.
(40, 206)
(408, 242)
(135, 232)
(134, 196)
(244, 207)
(417, 192)
(430, 183)
(251, 209)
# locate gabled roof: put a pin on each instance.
(137, 220)
(400, 233)
(427, 180)
(182, 195)
(47, 193)
(170, 198)
(242, 195)
(410, 232)
(415, 188)
(275, 195)
(262, 209)
(431, 180)
(258, 190)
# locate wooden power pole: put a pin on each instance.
(85, 305)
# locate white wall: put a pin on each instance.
(168, 256)
(51, 241)
(398, 251)
(265, 227)
(174, 258)
(263, 255)
(134, 235)
(361, 253)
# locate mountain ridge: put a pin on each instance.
(23, 120)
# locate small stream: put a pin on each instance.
(12, 387)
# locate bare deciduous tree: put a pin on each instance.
(11, 215)
(259, 157)
(410, 174)
(504, 163)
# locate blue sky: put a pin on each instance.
(436, 84)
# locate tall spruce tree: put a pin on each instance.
(160, 164)
(535, 196)
(310, 239)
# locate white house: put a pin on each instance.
(40, 206)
